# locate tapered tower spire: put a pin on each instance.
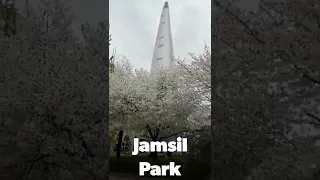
(163, 49)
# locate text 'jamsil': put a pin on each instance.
(180, 145)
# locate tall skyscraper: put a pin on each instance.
(163, 49)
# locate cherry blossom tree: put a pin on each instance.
(53, 98)
(198, 73)
(265, 77)
(158, 104)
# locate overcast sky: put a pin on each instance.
(134, 25)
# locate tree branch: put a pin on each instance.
(218, 4)
(164, 137)
(150, 131)
(33, 163)
(314, 117)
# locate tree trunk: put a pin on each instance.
(119, 144)
(154, 137)
(169, 154)
(154, 155)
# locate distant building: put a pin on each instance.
(163, 50)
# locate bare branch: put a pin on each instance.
(232, 15)
(314, 117)
(33, 163)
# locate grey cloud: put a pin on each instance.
(186, 36)
(134, 24)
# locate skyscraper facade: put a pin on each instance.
(163, 49)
